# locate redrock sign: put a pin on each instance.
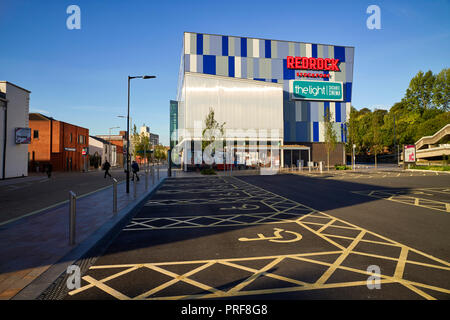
(306, 63)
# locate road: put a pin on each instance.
(282, 237)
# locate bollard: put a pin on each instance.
(134, 189)
(320, 166)
(114, 196)
(157, 171)
(146, 179)
(72, 217)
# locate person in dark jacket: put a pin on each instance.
(49, 170)
(106, 167)
(135, 169)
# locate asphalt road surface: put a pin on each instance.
(282, 237)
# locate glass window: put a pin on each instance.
(36, 134)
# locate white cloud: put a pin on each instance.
(39, 111)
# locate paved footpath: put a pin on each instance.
(35, 250)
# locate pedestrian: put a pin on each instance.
(49, 170)
(106, 167)
(135, 168)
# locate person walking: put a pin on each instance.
(135, 168)
(49, 170)
(106, 167)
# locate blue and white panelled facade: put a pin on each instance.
(231, 58)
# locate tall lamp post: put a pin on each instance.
(109, 138)
(128, 128)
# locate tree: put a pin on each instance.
(441, 90)
(330, 135)
(420, 91)
(160, 152)
(141, 144)
(213, 131)
(421, 112)
(377, 136)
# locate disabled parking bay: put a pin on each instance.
(220, 237)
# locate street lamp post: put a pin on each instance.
(128, 128)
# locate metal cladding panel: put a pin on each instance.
(242, 104)
(266, 61)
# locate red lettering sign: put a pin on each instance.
(305, 63)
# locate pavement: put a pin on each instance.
(288, 236)
(35, 249)
(32, 194)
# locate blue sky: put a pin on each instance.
(80, 76)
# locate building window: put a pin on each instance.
(70, 137)
(35, 134)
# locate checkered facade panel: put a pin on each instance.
(266, 60)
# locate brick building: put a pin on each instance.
(59, 143)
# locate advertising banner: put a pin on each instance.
(316, 90)
(23, 135)
(410, 154)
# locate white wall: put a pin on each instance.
(103, 151)
(241, 104)
(18, 109)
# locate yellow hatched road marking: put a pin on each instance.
(401, 263)
(116, 294)
(339, 260)
(254, 276)
(239, 289)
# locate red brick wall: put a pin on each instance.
(41, 145)
(61, 159)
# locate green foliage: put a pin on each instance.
(341, 167)
(208, 171)
(160, 152)
(140, 142)
(213, 130)
(330, 138)
(422, 112)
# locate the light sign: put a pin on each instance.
(316, 90)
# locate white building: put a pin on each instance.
(103, 149)
(153, 138)
(15, 134)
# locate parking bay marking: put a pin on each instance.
(276, 237)
(393, 195)
(311, 222)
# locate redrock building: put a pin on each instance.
(281, 87)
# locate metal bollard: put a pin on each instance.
(72, 217)
(146, 179)
(114, 196)
(134, 189)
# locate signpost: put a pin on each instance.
(316, 90)
(23, 135)
(409, 155)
